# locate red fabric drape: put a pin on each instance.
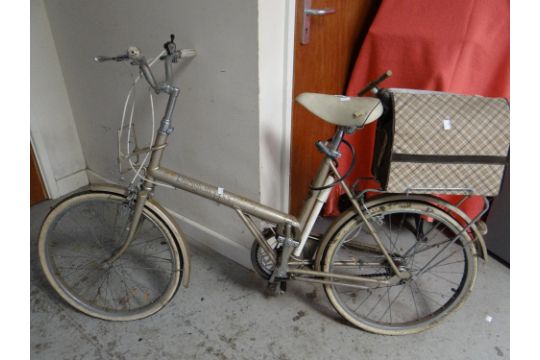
(459, 46)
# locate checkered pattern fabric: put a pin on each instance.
(435, 123)
(426, 178)
(475, 125)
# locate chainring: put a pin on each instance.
(260, 261)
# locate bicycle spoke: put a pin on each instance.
(426, 248)
(108, 289)
(390, 303)
(424, 237)
(426, 297)
(138, 286)
(414, 300)
(446, 264)
(98, 290)
(75, 256)
(426, 268)
(398, 232)
(159, 258)
(363, 301)
(136, 242)
(389, 307)
(374, 306)
(146, 268)
(388, 233)
(89, 282)
(75, 269)
(353, 235)
(442, 278)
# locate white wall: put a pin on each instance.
(219, 136)
(52, 128)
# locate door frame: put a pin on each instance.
(44, 167)
(276, 27)
(34, 164)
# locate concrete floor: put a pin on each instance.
(225, 314)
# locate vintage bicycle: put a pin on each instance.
(391, 264)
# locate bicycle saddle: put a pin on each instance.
(347, 111)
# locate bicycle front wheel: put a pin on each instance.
(83, 231)
(421, 240)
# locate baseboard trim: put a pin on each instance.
(197, 234)
(95, 178)
(213, 240)
(72, 182)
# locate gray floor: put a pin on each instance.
(225, 314)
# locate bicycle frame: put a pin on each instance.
(294, 232)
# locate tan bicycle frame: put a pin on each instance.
(245, 207)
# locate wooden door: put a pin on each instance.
(37, 190)
(323, 65)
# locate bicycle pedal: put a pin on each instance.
(272, 286)
(272, 289)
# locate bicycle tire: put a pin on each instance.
(153, 279)
(400, 324)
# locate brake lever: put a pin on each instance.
(170, 46)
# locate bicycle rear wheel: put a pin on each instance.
(421, 239)
(83, 231)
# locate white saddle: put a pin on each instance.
(348, 111)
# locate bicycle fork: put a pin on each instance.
(140, 201)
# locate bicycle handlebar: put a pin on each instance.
(137, 58)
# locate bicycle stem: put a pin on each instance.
(166, 86)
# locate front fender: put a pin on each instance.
(165, 216)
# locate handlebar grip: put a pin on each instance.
(187, 53)
(180, 54)
(101, 59)
(383, 77)
(374, 83)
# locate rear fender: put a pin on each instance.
(478, 239)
